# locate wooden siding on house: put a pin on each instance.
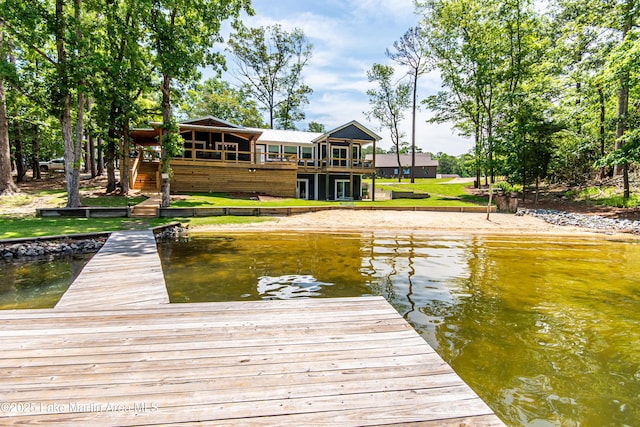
(220, 177)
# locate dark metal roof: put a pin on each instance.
(351, 130)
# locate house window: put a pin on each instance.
(273, 152)
(307, 152)
(339, 156)
(291, 153)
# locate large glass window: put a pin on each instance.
(339, 156)
(273, 152)
(307, 152)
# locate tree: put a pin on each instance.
(469, 59)
(627, 14)
(270, 63)
(388, 103)
(316, 127)
(7, 185)
(411, 52)
(55, 33)
(215, 97)
(124, 78)
(182, 32)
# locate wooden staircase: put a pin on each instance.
(148, 208)
(146, 178)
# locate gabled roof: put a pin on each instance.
(210, 121)
(391, 161)
(351, 130)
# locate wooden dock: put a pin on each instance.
(306, 362)
(125, 273)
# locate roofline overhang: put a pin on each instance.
(241, 131)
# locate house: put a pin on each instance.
(387, 165)
(222, 157)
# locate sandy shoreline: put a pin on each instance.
(414, 222)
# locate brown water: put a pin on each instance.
(547, 331)
(38, 283)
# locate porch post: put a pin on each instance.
(373, 179)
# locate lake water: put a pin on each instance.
(38, 283)
(546, 330)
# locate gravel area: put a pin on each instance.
(591, 222)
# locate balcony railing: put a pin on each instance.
(259, 157)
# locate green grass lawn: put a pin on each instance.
(14, 228)
(442, 194)
(204, 200)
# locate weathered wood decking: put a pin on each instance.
(348, 361)
(125, 273)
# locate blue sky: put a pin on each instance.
(348, 37)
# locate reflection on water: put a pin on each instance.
(546, 331)
(38, 283)
(290, 286)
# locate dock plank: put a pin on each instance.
(114, 352)
(324, 362)
(126, 272)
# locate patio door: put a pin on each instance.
(342, 189)
(302, 189)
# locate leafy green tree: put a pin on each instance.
(316, 127)
(623, 61)
(411, 52)
(7, 186)
(466, 46)
(56, 32)
(124, 77)
(270, 63)
(182, 33)
(388, 104)
(215, 97)
(579, 49)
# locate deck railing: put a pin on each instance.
(260, 157)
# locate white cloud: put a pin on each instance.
(349, 36)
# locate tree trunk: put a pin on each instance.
(86, 156)
(77, 146)
(100, 161)
(91, 155)
(623, 110)
(413, 126)
(603, 170)
(111, 150)
(35, 153)
(399, 163)
(21, 169)
(90, 159)
(73, 189)
(7, 186)
(623, 102)
(166, 120)
(490, 200)
(124, 167)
